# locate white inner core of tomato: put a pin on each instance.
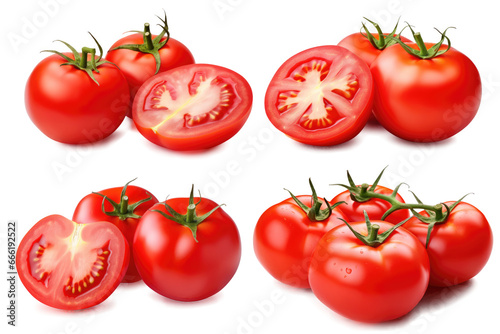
(70, 263)
(317, 94)
(188, 101)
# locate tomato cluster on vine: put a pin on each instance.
(368, 247)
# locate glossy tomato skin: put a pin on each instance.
(89, 210)
(321, 96)
(174, 265)
(138, 67)
(69, 107)
(369, 284)
(425, 100)
(58, 261)
(361, 46)
(458, 248)
(192, 107)
(375, 208)
(285, 238)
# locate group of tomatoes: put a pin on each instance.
(321, 96)
(365, 247)
(185, 249)
(78, 98)
(418, 91)
(364, 255)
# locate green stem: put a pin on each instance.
(124, 205)
(191, 213)
(364, 188)
(421, 44)
(402, 206)
(373, 233)
(85, 52)
(313, 213)
(438, 209)
(147, 28)
(149, 40)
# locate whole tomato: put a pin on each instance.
(375, 207)
(121, 206)
(426, 95)
(369, 276)
(142, 55)
(77, 98)
(186, 249)
(287, 233)
(459, 247)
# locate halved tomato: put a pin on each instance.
(72, 266)
(192, 107)
(321, 96)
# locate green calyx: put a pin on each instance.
(81, 61)
(373, 238)
(150, 45)
(315, 213)
(382, 42)
(422, 52)
(123, 209)
(190, 219)
(435, 217)
(364, 193)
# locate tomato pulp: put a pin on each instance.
(321, 96)
(192, 107)
(72, 266)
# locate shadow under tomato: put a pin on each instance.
(177, 303)
(412, 144)
(434, 300)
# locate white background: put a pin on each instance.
(253, 38)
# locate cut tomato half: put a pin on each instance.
(321, 96)
(72, 266)
(192, 107)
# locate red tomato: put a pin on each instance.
(138, 66)
(365, 283)
(375, 208)
(68, 106)
(459, 247)
(358, 44)
(192, 107)
(320, 96)
(71, 266)
(123, 207)
(182, 264)
(285, 237)
(425, 100)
